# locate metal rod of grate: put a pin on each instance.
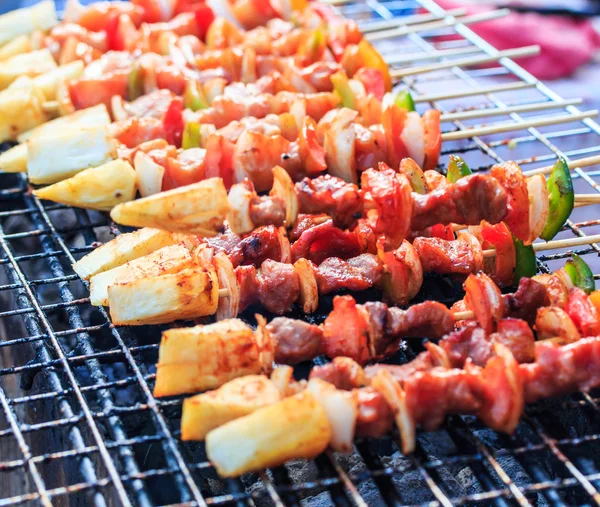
(119, 444)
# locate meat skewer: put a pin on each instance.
(558, 309)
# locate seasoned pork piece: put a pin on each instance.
(278, 286)
(330, 195)
(524, 303)
(357, 273)
(468, 201)
(325, 240)
(295, 340)
(261, 244)
(445, 256)
(429, 319)
(342, 372)
(374, 418)
(267, 210)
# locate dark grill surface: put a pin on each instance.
(79, 424)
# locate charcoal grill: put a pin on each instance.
(79, 424)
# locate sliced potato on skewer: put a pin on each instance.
(51, 158)
(48, 82)
(24, 21)
(206, 357)
(169, 259)
(235, 399)
(14, 160)
(188, 294)
(96, 116)
(100, 188)
(17, 46)
(296, 427)
(122, 249)
(21, 109)
(198, 208)
(30, 64)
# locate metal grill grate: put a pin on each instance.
(79, 424)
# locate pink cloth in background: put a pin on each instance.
(566, 43)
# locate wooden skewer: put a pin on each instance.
(573, 164)
(508, 127)
(385, 24)
(413, 57)
(434, 25)
(462, 62)
(499, 111)
(436, 97)
(555, 244)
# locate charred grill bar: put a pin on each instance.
(79, 424)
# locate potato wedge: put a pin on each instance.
(21, 109)
(122, 249)
(236, 398)
(206, 357)
(41, 16)
(198, 208)
(29, 64)
(51, 158)
(100, 188)
(17, 46)
(296, 427)
(169, 259)
(14, 160)
(96, 116)
(188, 294)
(48, 82)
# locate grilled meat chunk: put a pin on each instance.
(295, 340)
(357, 273)
(267, 210)
(468, 201)
(278, 286)
(428, 320)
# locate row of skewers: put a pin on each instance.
(183, 108)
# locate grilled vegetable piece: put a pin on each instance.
(100, 188)
(20, 110)
(199, 208)
(580, 273)
(188, 294)
(30, 64)
(526, 265)
(24, 21)
(169, 259)
(14, 160)
(404, 100)
(296, 427)
(457, 168)
(122, 249)
(48, 82)
(149, 174)
(283, 187)
(206, 357)
(235, 399)
(309, 290)
(51, 158)
(18, 45)
(96, 116)
(561, 199)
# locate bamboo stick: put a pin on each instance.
(469, 61)
(573, 164)
(434, 25)
(385, 24)
(440, 53)
(436, 97)
(499, 111)
(512, 126)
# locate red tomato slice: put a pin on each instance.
(583, 313)
(173, 122)
(182, 172)
(372, 80)
(392, 120)
(433, 138)
(499, 237)
(311, 152)
(88, 92)
(100, 15)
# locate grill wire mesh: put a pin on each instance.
(79, 424)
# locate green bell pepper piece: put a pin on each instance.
(342, 87)
(580, 273)
(193, 97)
(404, 100)
(561, 199)
(135, 83)
(457, 168)
(526, 264)
(191, 136)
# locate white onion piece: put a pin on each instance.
(309, 290)
(240, 197)
(341, 408)
(222, 10)
(229, 305)
(538, 205)
(149, 174)
(413, 137)
(339, 146)
(118, 108)
(284, 187)
(72, 11)
(264, 342)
